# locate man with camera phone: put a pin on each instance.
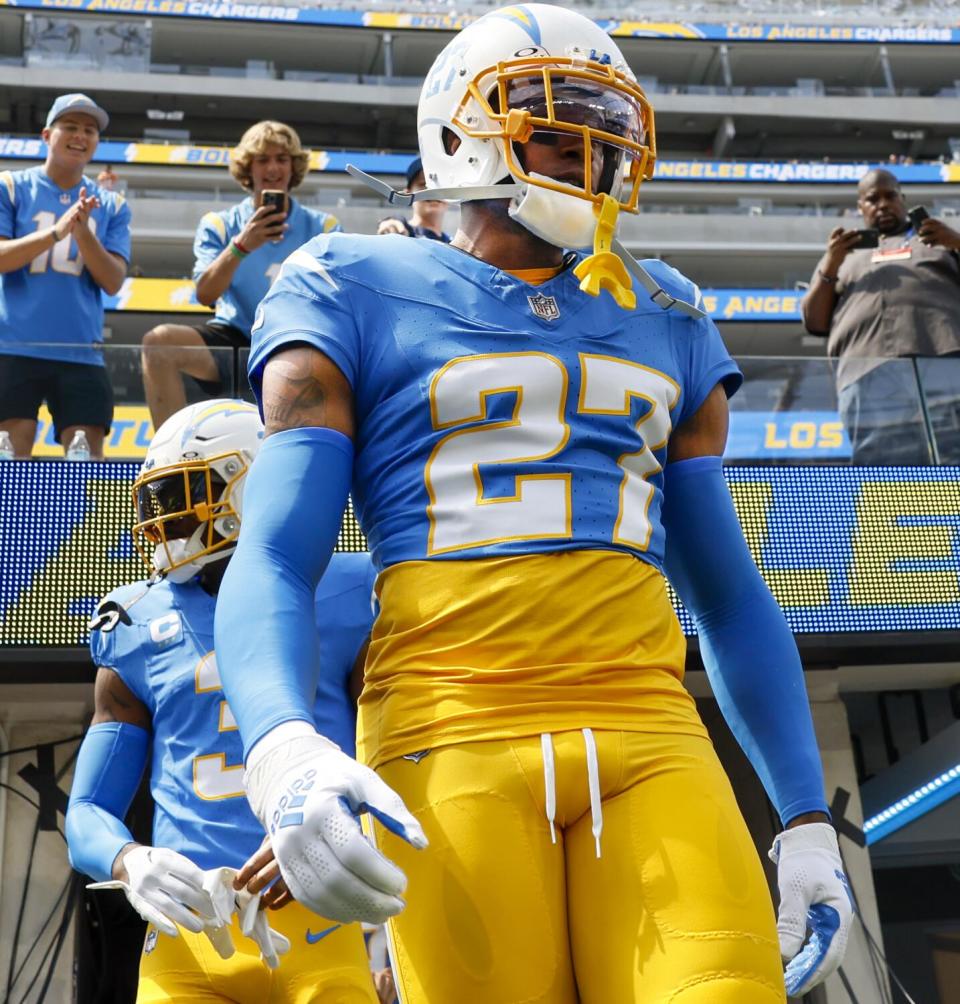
(887, 299)
(238, 253)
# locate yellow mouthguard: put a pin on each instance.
(604, 269)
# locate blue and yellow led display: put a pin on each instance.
(844, 549)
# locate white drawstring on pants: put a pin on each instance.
(593, 783)
(593, 780)
(549, 782)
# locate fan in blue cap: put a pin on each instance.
(64, 241)
(77, 103)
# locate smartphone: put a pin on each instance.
(275, 198)
(868, 239)
(917, 215)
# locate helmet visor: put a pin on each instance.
(582, 103)
(596, 129)
(170, 501)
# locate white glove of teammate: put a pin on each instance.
(308, 795)
(813, 894)
(253, 924)
(218, 882)
(166, 889)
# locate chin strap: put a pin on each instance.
(604, 269)
(609, 267)
(395, 198)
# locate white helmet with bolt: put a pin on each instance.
(528, 73)
(536, 73)
(189, 493)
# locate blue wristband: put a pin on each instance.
(265, 628)
(109, 767)
(747, 647)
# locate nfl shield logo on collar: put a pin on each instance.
(545, 307)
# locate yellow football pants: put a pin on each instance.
(328, 967)
(676, 908)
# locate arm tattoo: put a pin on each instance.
(302, 388)
(298, 401)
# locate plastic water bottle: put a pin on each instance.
(79, 448)
(6, 446)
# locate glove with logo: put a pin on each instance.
(814, 894)
(308, 795)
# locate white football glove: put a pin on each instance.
(814, 894)
(253, 924)
(166, 889)
(308, 795)
(218, 882)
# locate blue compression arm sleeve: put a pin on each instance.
(747, 648)
(109, 767)
(265, 628)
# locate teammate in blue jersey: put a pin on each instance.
(159, 701)
(64, 241)
(533, 438)
(237, 255)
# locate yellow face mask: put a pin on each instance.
(184, 511)
(574, 105)
(542, 99)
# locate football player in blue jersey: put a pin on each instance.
(237, 254)
(533, 437)
(158, 687)
(64, 241)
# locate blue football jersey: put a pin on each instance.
(254, 274)
(493, 417)
(52, 308)
(162, 649)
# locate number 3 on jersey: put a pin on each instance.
(540, 506)
(213, 779)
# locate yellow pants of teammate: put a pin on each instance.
(675, 910)
(326, 964)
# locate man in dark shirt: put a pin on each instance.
(427, 218)
(891, 314)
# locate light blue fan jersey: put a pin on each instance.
(493, 417)
(254, 274)
(165, 656)
(54, 299)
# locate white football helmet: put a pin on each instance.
(189, 492)
(534, 73)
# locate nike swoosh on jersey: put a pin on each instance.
(312, 938)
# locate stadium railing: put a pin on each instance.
(785, 413)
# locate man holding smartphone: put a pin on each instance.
(238, 253)
(888, 300)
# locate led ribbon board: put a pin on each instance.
(782, 172)
(767, 30)
(65, 542)
(844, 549)
(140, 294)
